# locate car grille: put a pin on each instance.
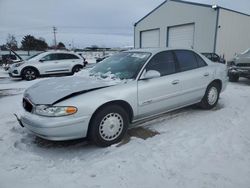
(243, 64)
(27, 105)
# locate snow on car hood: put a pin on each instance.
(52, 90)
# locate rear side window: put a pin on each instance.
(162, 62)
(200, 61)
(67, 56)
(186, 59)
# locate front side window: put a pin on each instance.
(124, 65)
(50, 57)
(186, 60)
(162, 62)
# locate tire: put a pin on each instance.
(211, 96)
(108, 125)
(76, 68)
(233, 78)
(29, 74)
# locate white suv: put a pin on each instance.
(47, 63)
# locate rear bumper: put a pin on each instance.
(55, 128)
(240, 71)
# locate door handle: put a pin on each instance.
(206, 74)
(175, 82)
(56, 62)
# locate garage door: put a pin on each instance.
(150, 39)
(181, 36)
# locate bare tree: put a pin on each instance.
(11, 42)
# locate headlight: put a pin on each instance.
(55, 111)
(18, 64)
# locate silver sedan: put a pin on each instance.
(123, 89)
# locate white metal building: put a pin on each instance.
(205, 28)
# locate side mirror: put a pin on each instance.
(41, 60)
(151, 74)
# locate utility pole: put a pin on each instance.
(54, 31)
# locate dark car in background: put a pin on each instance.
(99, 59)
(214, 57)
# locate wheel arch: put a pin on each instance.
(125, 105)
(31, 67)
(218, 82)
(77, 65)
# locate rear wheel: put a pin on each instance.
(29, 74)
(76, 68)
(233, 77)
(108, 126)
(211, 96)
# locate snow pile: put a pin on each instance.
(195, 148)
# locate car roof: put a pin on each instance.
(157, 50)
(58, 51)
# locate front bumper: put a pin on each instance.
(56, 128)
(14, 73)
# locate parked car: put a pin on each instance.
(144, 83)
(239, 66)
(99, 59)
(214, 57)
(47, 63)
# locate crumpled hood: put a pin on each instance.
(54, 89)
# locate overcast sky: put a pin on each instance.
(84, 22)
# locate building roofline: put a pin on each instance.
(235, 11)
(193, 3)
(190, 3)
(151, 12)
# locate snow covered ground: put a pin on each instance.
(194, 148)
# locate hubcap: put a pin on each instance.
(77, 69)
(212, 95)
(111, 126)
(30, 75)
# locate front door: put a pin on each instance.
(159, 94)
(51, 64)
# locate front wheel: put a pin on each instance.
(109, 125)
(211, 96)
(29, 74)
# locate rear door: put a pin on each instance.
(67, 61)
(194, 76)
(159, 94)
(49, 64)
